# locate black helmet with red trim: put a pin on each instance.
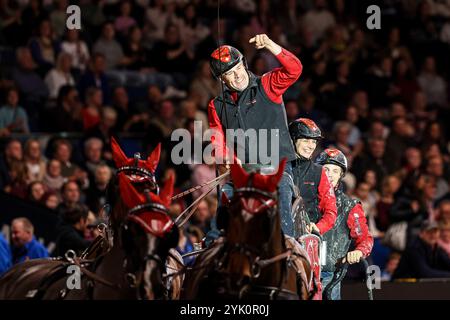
(304, 128)
(333, 156)
(223, 59)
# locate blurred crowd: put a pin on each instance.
(139, 69)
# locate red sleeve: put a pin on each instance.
(277, 81)
(217, 136)
(359, 230)
(327, 204)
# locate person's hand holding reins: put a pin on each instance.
(263, 41)
(353, 257)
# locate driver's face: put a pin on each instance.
(236, 78)
(306, 147)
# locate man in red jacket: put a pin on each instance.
(251, 102)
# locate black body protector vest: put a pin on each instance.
(307, 176)
(254, 110)
(338, 239)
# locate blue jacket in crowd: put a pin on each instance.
(32, 250)
(5, 255)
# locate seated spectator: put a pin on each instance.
(13, 118)
(189, 110)
(77, 49)
(391, 266)
(124, 22)
(399, 139)
(53, 178)
(432, 84)
(166, 120)
(51, 200)
(59, 76)
(34, 160)
(31, 85)
(202, 173)
(444, 240)
(110, 48)
(93, 149)
(444, 211)
(203, 215)
(95, 77)
(19, 179)
(43, 47)
(192, 31)
(135, 52)
(435, 168)
(416, 205)
(13, 152)
(69, 170)
(105, 129)
(424, 258)
(24, 245)
(71, 195)
(66, 116)
(368, 203)
(204, 84)
(58, 17)
(36, 192)
(71, 231)
(318, 20)
(91, 112)
(5, 255)
(389, 188)
(96, 195)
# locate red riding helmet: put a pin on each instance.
(223, 59)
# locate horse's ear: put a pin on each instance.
(238, 175)
(167, 190)
(119, 157)
(275, 178)
(153, 159)
(130, 196)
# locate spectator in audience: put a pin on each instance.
(24, 245)
(109, 47)
(51, 200)
(71, 231)
(435, 168)
(13, 152)
(66, 116)
(58, 18)
(373, 159)
(204, 84)
(71, 196)
(192, 31)
(105, 130)
(60, 75)
(43, 47)
(53, 178)
(391, 266)
(399, 139)
(93, 148)
(34, 160)
(95, 77)
(91, 112)
(36, 192)
(19, 183)
(13, 118)
(389, 188)
(69, 170)
(432, 84)
(424, 258)
(318, 20)
(444, 211)
(32, 87)
(444, 240)
(77, 49)
(96, 194)
(5, 255)
(124, 21)
(165, 120)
